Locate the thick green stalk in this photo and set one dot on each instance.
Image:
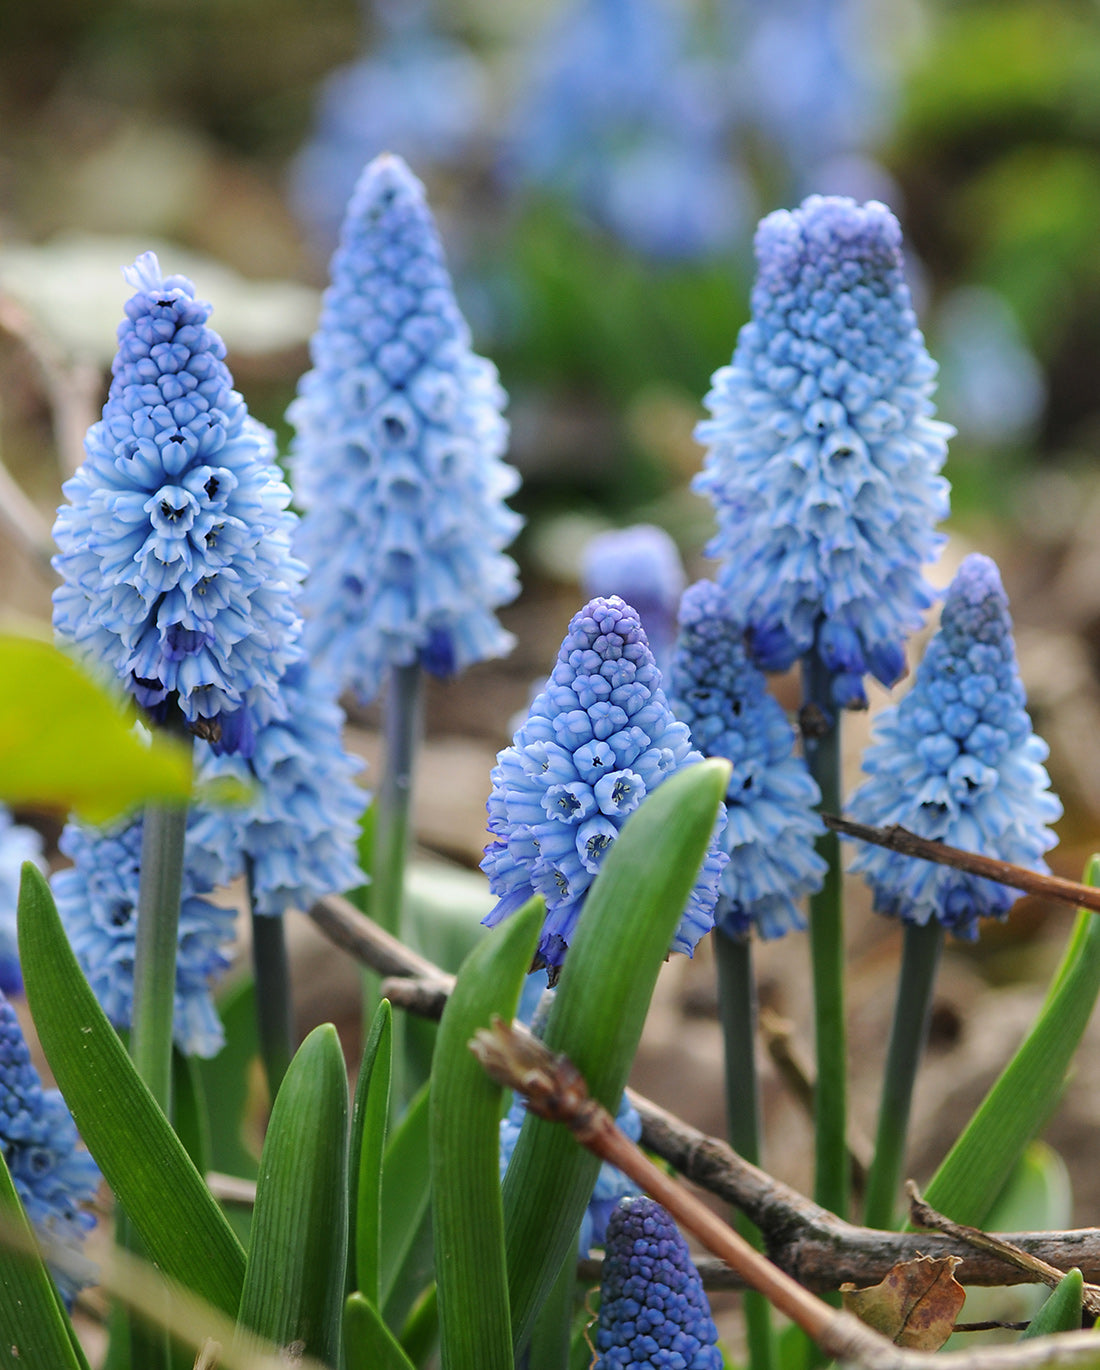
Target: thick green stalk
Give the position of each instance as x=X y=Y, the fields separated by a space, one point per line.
x=155 y=951
x=822 y=746
x=919 y=959
x=737 y=1009
x=274 y=1009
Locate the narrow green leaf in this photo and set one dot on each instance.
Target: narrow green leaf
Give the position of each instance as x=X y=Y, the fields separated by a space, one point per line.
x=1022 y=1098
x=66 y=743
x=228 y=1077
x=297 y=1259
x=1062 y=1310
x=420 y=1334
x=621 y=941
x=142 y=1159
x=192 y=1123
x=369 y=1117
x=467 y=1215
x=368 y=1342
x=406 y=1214
x=34 y=1327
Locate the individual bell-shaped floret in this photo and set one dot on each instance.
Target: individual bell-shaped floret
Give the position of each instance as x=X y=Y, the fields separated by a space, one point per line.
x=596 y=741
x=18 y=843
x=653 y=1309
x=957 y=761
x=715 y=689
x=823 y=453
x=175 y=543
x=397 y=459
x=97 y=900
x=53 y=1177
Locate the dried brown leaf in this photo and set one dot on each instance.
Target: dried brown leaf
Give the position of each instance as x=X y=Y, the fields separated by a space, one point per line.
x=915 y=1305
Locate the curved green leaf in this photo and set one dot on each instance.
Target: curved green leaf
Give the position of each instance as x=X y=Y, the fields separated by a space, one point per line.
x=406 y=1213
x=368 y=1342
x=66 y=743
x=621 y=941
x=1062 y=1310
x=297 y=1258
x=1022 y=1098
x=467 y=1216
x=369 y=1117
x=184 y=1231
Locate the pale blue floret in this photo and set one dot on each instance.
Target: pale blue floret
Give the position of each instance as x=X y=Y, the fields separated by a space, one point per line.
x=175 y=543
x=52 y=1176
x=299 y=832
x=397 y=459
x=653 y=1308
x=97 y=900
x=642 y=565
x=597 y=739
x=823 y=453
x=17 y=844
x=957 y=761
x=715 y=689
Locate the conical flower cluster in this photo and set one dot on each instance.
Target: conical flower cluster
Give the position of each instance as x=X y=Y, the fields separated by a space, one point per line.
x=957 y=761
x=397 y=460
x=53 y=1177
x=823 y=453
x=597 y=739
x=175 y=543
x=715 y=689
x=653 y=1310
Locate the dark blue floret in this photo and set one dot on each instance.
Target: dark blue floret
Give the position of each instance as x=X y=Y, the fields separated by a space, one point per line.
x=597 y=739
x=823 y=453
x=717 y=690
x=957 y=761
x=653 y=1310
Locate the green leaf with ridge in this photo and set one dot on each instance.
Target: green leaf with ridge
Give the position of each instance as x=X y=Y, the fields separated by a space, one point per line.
x=369 y=1119
x=368 y=1342
x=406 y=1214
x=184 y=1231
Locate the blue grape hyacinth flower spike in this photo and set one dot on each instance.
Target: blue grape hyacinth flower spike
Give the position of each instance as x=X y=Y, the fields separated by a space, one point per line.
x=956 y=761
x=642 y=565
x=653 y=1309
x=175 y=544
x=596 y=741
x=398 y=456
x=823 y=456
x=717 y=690
x=54 y=1178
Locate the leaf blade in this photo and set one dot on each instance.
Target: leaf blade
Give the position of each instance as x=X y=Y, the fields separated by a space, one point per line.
x=369 y=1119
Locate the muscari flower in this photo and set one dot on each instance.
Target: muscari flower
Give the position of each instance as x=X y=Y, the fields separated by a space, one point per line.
x=17 y=844
x=653 y=1310
x=823 y=454
x=97 y=900
x=397 y=458
x=597 y=739
x=175 y=543
x=299 y=833
x=641 y=564
x=39 y=1142
x=957 y=761
x=717 y=690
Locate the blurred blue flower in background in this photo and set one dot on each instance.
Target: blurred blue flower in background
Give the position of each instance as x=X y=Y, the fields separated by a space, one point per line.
x=398 y=456
x=596 y=741
x=823 y=456
x=175 y=544
x=18 y=843
x=53 y=1177
x=641 y=564
x=715 y=689
x=957 y=761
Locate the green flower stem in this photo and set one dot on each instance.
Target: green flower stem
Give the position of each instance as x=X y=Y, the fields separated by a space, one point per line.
x=158 y=916
x=274 y=1009
x=549 y=1348
x=919 y=959
x=737 y=1009
x=822 y=746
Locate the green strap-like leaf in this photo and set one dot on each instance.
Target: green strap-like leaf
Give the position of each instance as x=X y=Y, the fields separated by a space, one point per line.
x=467 y=1216
x=368 y=1342
x=621 y=941
x=297 y=1258
x=1062 y=1310
x=184 y=1231
x=406 y=1214
x=369 y=1117
x=34 y=1327
x=1022 y=1098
